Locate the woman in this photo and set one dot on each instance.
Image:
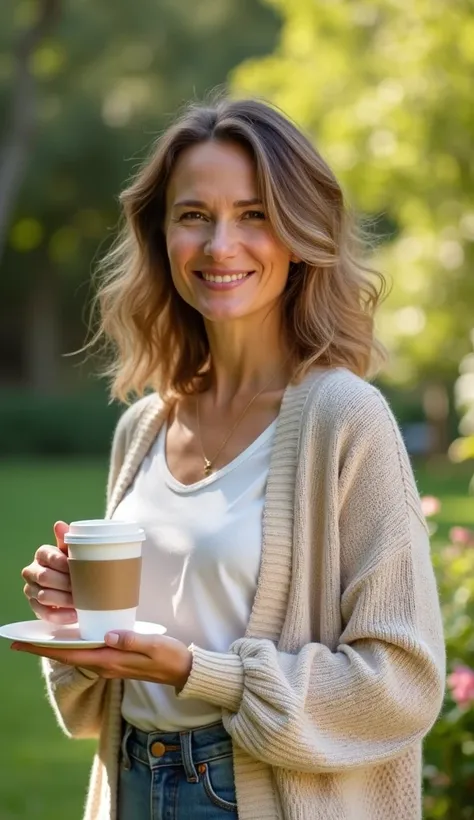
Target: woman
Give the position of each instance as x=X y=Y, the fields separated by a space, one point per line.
x=287 y=553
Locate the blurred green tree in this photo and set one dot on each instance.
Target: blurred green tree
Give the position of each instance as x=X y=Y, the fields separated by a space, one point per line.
x=107 y=82
x=462 y=448
x=384 y=88
x=20 y=125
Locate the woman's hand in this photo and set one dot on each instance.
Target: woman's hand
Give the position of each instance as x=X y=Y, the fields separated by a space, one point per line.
x=48 y=583
x=153 y=658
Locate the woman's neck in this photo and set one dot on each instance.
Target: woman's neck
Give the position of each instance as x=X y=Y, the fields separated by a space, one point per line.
x=245 y=361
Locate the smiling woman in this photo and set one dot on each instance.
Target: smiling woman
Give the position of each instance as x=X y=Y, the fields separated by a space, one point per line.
x=225 y=247
x=286 y=550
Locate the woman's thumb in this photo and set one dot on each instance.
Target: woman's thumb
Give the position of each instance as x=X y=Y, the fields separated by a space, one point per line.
x=60 y=530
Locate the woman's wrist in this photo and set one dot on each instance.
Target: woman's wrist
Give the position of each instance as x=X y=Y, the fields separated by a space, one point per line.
x=185 y=669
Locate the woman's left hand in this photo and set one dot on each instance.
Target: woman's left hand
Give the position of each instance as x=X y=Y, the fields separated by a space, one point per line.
x=153 y=658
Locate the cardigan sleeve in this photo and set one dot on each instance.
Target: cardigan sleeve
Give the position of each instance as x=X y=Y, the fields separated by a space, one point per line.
x=76 y=696
x=381 y=688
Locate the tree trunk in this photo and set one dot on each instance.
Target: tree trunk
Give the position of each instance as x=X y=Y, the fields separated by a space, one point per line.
x=42 y=334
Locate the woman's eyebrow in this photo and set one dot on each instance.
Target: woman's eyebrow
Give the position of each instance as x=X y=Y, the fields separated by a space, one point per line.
x=244 y=203
x=197 y=203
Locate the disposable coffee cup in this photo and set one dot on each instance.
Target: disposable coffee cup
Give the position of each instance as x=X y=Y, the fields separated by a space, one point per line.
x=105 y=565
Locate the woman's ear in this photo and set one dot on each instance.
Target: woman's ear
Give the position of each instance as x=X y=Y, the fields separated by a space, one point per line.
x=295 y=259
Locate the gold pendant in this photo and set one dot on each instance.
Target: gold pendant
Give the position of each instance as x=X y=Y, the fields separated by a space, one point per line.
x=207 y=467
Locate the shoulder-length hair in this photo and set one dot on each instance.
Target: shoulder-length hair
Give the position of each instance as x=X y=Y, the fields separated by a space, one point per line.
x=158 y=341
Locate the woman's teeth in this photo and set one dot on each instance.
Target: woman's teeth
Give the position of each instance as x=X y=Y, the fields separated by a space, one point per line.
x=226 y=278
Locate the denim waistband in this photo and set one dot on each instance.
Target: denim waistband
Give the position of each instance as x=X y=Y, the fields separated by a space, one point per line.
x=187 y=748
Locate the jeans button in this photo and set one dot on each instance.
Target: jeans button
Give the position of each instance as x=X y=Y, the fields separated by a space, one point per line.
x=157 y=749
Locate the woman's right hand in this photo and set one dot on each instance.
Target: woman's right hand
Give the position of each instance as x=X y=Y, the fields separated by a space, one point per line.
x=48 y=583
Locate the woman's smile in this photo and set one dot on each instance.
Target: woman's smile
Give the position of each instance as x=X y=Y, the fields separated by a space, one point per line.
x=222 y=278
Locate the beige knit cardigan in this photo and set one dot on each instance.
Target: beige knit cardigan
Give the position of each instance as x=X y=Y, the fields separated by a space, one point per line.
x=341 y=670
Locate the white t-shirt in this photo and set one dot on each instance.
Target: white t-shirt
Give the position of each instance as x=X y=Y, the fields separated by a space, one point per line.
x=201 y=560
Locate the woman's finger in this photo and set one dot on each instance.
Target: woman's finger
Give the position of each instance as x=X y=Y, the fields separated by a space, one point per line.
x=52 y=557
x=94 y=659
x=46 y=578
x=31 y=591
x=52 y=615
x=52 y=597
x=48 y=597
x=60 y=529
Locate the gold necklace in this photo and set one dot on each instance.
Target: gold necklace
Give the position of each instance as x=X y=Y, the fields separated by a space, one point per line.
x=208 y=463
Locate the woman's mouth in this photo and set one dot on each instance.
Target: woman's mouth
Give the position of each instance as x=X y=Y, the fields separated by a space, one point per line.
x=223 y=280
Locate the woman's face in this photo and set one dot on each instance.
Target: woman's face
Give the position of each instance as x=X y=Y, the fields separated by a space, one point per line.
x=225 y=259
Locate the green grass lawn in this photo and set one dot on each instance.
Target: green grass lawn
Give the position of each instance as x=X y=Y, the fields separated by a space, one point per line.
x=43 y=774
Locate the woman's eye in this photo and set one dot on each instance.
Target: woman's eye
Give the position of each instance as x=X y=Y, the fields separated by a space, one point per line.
x=192 y=215
x=254 y=215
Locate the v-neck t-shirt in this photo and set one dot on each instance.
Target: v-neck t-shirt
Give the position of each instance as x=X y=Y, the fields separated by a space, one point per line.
x=200 y=565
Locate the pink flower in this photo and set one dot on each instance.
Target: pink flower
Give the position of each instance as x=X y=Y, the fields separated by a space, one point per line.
x=451 y=552
x=461 y=535
x=461 y=683
x=430 y=505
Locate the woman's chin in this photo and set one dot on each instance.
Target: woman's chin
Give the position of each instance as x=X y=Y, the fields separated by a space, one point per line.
x=219 y=315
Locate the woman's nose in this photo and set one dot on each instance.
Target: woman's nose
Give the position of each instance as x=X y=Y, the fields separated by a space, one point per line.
x=221 y=242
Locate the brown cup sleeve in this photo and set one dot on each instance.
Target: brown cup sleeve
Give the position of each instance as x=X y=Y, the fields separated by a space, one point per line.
x=105 y=585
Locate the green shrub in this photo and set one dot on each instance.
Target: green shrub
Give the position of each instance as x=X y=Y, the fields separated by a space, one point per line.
x=76 y=423
x=449 y=748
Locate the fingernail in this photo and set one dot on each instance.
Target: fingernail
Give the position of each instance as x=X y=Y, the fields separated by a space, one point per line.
x=112 y=638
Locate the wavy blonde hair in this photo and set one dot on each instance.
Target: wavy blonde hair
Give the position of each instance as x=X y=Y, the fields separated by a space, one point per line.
x=158 y=341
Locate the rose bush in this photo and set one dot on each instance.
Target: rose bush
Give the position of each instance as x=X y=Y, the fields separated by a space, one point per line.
x=449 y=748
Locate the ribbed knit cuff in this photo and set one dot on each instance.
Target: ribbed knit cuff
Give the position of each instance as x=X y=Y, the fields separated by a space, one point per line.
x=216 y=677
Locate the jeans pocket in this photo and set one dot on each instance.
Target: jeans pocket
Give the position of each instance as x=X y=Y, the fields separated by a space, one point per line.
x=217 y=777
x=125 y=762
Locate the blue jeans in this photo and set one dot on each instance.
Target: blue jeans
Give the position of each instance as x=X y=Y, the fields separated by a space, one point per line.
x=177 y=775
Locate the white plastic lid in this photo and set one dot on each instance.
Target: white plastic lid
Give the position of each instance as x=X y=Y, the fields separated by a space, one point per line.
x=101 y=531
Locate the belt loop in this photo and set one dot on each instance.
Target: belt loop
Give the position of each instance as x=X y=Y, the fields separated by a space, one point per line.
x=187 y=754
x=126 y=732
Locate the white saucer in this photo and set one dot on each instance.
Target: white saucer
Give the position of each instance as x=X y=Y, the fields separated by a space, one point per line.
x=42 y=633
